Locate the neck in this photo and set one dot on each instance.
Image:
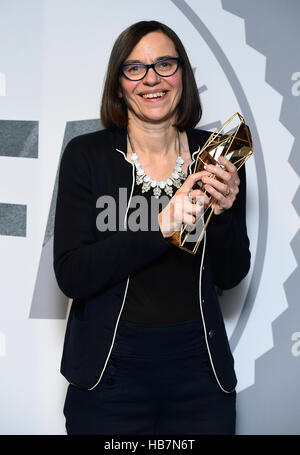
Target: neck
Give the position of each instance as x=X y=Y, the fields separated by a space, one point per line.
x=150 y=138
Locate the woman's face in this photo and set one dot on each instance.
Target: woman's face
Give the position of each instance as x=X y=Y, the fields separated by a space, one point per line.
x=152 y=47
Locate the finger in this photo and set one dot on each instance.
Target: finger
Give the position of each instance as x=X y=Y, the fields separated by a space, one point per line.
x=196 y=195
x=218 y=172
x=187 y=206
x=207 y=200
x=199 y=184
x=224 y=202
x=199 y=197
x=196 y=210
x=228 y=164
x=190 y=223
x=191 y=180
x=231 y=168
x=220 y=186
x=190 y=220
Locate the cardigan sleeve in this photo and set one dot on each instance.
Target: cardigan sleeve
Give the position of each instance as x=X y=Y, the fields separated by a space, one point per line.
x=83 y=263
x=228 y=242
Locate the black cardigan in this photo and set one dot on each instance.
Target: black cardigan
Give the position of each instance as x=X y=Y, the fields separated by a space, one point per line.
x=93 y=267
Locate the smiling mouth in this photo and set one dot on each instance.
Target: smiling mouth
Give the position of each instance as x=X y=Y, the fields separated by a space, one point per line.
x=153 y=95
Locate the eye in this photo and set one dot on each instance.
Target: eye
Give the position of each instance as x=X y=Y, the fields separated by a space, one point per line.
x=166 y=67
x=164 y=64
x=134 y=69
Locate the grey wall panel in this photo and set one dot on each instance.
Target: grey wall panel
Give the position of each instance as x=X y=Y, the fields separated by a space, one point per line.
x=13 y=219
x=48 y=302
x=19 y=138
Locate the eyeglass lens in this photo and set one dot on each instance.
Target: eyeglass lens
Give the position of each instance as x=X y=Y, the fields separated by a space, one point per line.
x=136 y=71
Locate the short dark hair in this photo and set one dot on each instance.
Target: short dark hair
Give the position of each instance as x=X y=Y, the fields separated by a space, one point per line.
x=113 y=108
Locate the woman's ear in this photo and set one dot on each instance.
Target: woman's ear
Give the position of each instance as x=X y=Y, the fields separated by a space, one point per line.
x=120 y=93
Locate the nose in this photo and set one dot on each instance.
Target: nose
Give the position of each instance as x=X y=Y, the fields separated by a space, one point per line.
x=151 y=77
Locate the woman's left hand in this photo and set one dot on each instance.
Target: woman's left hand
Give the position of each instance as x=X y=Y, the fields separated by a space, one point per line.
x=226 y=190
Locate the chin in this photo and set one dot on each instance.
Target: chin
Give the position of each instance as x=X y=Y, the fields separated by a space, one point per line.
x=158 y=118
x=154 y=116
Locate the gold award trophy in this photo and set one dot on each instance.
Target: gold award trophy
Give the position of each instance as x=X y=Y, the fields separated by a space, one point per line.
x=233 y=140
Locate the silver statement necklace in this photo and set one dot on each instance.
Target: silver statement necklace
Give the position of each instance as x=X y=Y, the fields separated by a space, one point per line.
x=163 y=185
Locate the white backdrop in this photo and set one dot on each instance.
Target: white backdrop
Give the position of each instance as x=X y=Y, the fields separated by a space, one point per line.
x=53 y=58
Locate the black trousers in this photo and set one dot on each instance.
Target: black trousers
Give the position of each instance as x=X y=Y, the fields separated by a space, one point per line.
x=158 y=381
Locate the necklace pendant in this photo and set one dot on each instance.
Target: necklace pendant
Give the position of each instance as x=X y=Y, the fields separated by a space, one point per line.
x=157 y=192
x=139 y=179
x=177 y=183
x=145 y=187
x=169 y=190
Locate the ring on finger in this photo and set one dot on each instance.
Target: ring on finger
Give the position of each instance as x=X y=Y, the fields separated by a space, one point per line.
x=227 y=192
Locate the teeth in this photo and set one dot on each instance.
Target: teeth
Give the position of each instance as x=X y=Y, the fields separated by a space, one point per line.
x=153 y=95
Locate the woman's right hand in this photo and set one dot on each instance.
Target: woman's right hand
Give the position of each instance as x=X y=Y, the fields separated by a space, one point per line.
x=184 y=207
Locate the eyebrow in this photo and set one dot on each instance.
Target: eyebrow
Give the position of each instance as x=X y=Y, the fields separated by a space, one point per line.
x=156 y=60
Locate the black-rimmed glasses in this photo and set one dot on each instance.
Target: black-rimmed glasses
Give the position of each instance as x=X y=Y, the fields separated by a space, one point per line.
x=136 y=71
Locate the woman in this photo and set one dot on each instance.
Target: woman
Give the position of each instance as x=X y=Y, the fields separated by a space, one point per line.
x=146 y=350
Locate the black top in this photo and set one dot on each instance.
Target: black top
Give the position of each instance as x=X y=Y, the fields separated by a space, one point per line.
x=167 y=289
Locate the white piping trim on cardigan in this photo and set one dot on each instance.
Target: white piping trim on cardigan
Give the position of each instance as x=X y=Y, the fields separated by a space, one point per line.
x=125 y=293
x=200 y=297
x=193 y=160
x=204 y=326
x=113 y=340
